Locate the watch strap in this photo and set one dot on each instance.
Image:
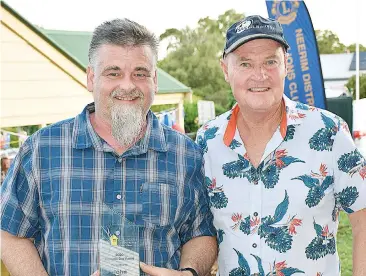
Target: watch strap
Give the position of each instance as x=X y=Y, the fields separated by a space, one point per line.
x=190 y=269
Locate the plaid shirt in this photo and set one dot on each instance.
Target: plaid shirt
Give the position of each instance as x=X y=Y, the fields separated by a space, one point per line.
x=65 y=172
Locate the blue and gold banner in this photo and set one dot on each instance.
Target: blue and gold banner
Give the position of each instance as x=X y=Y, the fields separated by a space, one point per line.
x=304 y=82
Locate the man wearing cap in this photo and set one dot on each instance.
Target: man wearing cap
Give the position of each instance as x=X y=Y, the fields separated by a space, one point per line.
x=284 y=171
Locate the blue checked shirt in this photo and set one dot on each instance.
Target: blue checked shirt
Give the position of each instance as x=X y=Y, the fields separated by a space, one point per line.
x=65 y=172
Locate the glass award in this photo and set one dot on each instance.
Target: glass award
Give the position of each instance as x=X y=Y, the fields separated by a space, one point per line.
x=118 y=245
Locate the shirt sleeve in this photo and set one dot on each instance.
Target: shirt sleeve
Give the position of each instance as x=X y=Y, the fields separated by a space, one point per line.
x=19 y=197
x=200 y=222
x=350 y=173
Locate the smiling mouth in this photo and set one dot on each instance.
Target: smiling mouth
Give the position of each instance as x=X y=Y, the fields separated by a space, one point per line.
x=127 y=98
x=258 y=89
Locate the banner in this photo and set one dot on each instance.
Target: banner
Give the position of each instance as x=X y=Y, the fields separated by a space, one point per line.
x=304 y=82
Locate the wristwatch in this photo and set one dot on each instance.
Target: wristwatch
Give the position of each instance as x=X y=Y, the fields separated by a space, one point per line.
x=194 y=272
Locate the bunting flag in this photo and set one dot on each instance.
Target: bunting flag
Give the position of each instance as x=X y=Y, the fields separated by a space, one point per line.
x=169 y=118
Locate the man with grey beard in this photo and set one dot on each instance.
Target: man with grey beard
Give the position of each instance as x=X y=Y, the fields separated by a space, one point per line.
x=114 y=156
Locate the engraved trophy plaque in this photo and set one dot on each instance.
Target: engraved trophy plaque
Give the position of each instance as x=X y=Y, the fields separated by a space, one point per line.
x=118 y=245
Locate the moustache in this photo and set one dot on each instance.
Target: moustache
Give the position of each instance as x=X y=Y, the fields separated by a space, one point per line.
x=134 y=93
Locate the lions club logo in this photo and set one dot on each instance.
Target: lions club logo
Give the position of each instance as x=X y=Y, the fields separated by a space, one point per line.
x=243 y=26
x=285 y=11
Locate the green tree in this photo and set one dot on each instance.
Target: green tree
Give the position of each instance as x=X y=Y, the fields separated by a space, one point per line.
x=194 y=57
x=329 y=43
x=351 y=85
x=190 y=117
x=352 y=48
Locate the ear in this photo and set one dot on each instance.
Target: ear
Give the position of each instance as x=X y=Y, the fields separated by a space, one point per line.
x=285 y=62
x=223 y=63
x=155 y=79
x=90 y=78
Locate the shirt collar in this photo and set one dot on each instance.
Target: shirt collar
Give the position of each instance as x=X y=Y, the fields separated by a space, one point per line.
x=84 y=135
x=291 y=116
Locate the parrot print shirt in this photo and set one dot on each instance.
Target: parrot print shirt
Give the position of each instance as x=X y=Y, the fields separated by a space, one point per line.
x=281 y=218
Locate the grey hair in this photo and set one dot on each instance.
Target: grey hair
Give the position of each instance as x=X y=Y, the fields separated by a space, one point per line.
x=122 y=32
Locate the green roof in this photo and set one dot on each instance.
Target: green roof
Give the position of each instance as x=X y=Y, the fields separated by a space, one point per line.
x=74 y=46
x=77 y=45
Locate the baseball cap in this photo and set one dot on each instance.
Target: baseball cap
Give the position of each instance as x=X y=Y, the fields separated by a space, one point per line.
x=253 y=27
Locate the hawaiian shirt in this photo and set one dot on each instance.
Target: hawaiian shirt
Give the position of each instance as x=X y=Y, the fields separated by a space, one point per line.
x=66 y=178
x=281 y=218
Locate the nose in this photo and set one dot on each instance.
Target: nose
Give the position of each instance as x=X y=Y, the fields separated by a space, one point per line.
x=259 y=73
x=126 y=83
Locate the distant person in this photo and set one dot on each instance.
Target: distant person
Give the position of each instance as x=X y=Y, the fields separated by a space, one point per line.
x=5 y=165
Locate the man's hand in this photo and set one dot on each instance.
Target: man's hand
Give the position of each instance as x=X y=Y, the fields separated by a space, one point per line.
x=158 y=271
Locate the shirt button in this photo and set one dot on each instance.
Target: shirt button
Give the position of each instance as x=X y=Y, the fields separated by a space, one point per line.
x=119 y=196
x=254 y=245
x=255 y=214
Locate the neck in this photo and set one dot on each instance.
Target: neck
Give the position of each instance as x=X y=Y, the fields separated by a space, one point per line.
x=100 y=125
x=254 y=122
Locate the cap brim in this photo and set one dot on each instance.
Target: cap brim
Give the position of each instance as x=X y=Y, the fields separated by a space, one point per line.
x=246 y=39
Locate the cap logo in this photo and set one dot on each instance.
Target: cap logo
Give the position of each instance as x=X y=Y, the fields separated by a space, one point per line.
x=243 y=26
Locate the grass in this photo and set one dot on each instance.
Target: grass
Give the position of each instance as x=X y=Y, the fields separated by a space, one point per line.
x=344 y=244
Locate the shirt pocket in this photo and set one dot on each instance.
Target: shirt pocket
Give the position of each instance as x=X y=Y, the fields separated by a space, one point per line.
x=159 y=203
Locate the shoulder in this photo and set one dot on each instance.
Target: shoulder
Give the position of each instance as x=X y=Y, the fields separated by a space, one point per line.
x=45 y=135
x=318 y=118
x=55 y=128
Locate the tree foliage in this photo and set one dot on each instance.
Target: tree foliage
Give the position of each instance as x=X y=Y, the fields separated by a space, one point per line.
x=329 y=43
x=352 y=48
x=351 y=85
x=191 y=117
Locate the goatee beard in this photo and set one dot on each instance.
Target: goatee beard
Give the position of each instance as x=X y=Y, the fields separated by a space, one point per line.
x=127 y=123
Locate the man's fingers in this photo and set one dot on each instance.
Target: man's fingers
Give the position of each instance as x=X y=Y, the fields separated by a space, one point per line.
x=156 y=271
x=149 y=269
x=96 y=273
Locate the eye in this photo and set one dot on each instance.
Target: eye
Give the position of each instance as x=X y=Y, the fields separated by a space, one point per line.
x=271 y=62
x=141 y=75
x=245 y=64
x=113 y=74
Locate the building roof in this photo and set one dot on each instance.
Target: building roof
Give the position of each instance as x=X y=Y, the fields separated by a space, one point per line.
x=362 y=62
x=74 y=45
x=336 y=66
x=341 y=66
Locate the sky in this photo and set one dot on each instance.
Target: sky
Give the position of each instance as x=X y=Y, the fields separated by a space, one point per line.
x=342 y=17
